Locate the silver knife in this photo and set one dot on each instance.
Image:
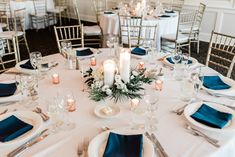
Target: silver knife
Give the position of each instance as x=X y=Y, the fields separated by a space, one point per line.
x=159 y=145
x=17 y=151
x=27 y=143
x=157 y=150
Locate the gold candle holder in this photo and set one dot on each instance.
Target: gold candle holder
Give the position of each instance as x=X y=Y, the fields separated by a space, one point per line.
x=134 y=103
x=93 y=61
x=71 y=106
x=141 y=65
x=158 y=85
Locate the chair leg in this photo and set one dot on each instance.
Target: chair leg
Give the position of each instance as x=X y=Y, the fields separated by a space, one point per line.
x=60 y=19
x=198 y=46
x=26 y=44
x=17 y=47
x=15 y=50
x=189 y=49
x=3 y=66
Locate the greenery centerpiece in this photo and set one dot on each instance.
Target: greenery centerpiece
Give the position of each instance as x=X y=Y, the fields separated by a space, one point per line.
x=119 y=90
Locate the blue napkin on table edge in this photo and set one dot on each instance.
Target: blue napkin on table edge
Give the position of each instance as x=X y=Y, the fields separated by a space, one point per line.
x=214 y=83
x=138 y=51
x=12 y=127
x=164 y=16
x=108 y=12
x=211 y=117
x=7 y=89
x=171 y=61
x=169 y=11
x=124 y=145
x=27 y=65
x=84 y=52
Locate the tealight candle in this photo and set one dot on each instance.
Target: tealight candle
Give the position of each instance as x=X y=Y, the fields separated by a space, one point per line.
x=93 y=61
x=158 y=85
x=55 y=79
x=141 y=65
x=71 y=106
x=134 y=103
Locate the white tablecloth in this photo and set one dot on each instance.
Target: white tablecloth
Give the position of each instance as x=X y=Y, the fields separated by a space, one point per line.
x=110 y=25
x=28 y=5
x=175 y=139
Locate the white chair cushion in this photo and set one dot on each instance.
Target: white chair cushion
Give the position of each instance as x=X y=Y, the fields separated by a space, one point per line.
x=55 y=10
x=3 y=25
x=172 y=37
x=10 y=34
x=92 y=30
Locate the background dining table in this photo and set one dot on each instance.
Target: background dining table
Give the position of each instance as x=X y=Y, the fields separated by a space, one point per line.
x=171 y=130
x=165 y=25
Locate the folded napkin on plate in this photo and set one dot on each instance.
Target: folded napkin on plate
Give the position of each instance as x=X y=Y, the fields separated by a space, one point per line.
x=7 y=89
x=108 y=12
x=164 y=16
x=211 y=117
x=124 y=145
x=12 y=127
x=214 y=83
x=169 y=11
x=27 y=65
x=84 y=52
x=172 y=62
x=139 y=51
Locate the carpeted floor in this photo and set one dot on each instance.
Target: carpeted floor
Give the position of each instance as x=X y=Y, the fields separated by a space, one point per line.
x=45 y=42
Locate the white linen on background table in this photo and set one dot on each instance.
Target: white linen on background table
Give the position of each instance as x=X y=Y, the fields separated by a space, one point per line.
x=110 y=25
x=28 y=5
x=171 y=132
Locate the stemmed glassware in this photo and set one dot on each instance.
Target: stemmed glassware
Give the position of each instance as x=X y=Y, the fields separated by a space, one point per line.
x=151 y=98
x=35 y=60
x=176 y=56
x=111 y=41
x=197 y=77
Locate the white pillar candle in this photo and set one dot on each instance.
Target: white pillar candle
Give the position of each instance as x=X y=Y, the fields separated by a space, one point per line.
x=125 y=63
x=109 y=70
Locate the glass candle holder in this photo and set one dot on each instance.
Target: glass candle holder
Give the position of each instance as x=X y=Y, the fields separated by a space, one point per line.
x=134 y=103
x=158 y=85
x=55 y=78
x=93 y=61
x=71 y=104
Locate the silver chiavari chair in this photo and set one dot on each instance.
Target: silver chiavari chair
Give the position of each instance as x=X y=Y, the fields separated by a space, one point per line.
x=175 y=5
x=63 y=5
x=69 y=33
x=40 y=15
x=2 y=52
x=127 y=22
x=93 y=34
x=5 y=14
x=147 y=37
x=170 y=42
x=221 y=52
x=99 y=7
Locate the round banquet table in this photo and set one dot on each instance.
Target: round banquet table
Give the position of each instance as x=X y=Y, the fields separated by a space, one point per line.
x=110 y=25
x=171 y=132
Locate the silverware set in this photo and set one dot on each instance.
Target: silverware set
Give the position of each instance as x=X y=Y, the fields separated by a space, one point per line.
x=196 y=132
x=41 y=113
x=157 y=144
x=82 y=148
x=180 y=110
x=34 y=140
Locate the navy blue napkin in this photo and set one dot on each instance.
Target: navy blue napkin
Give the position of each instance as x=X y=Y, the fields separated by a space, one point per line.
x=85 y=52
x=211 y=117
x=139 y=51
x=169 y=11
x=164 y=16
x=172 y=62
x=124 y=145
x=214 y=83
x=7 y=89
x=12 y=127
x=108 y=12
x=27 y=65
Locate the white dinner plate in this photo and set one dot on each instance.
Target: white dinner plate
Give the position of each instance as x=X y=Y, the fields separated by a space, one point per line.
x=95 y=51
x=226 y=92
x=29 y=117
x=15 y=97
x=165 y=61
x=192 y=108
x=97 y=145
x=28 y=71
x=100 y=113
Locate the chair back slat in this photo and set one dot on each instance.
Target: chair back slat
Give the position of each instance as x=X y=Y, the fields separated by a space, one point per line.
x=99 y=7
x=70 y=33
x=40 y=7
x=221 y=52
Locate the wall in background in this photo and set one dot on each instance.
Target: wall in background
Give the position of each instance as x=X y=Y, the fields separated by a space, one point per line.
x=219 y=15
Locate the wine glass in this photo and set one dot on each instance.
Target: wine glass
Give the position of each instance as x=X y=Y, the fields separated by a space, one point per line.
x=35 y=58
x=111 y=40
x=185 y=59
x=197 y=78
x=176 y=57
